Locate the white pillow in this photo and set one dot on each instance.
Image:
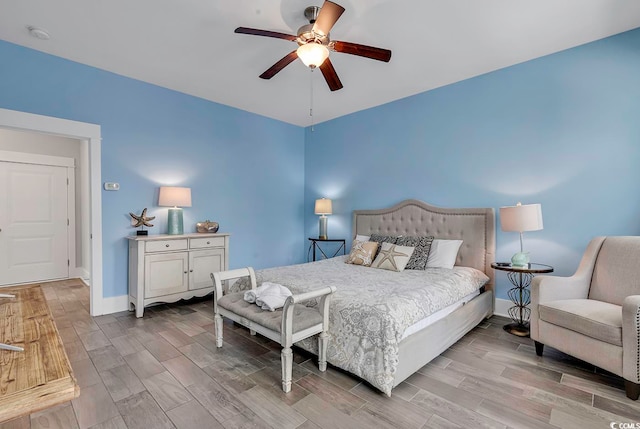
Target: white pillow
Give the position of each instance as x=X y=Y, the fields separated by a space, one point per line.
x=392 y=257
x=443 y=253
x=362 y=237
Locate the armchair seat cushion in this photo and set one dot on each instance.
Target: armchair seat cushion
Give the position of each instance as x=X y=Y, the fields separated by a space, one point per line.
x=595 y=319
x=303 y=317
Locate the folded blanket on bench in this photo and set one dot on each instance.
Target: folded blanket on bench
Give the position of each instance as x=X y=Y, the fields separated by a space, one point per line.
x=268 y=296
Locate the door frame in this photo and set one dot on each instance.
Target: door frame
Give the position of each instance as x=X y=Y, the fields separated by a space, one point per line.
x=90 y=135
x=69 y=165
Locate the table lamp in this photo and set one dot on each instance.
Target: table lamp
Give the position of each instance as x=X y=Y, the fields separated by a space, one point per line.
x=521 y=218
x=175 y=197
x=323 y=208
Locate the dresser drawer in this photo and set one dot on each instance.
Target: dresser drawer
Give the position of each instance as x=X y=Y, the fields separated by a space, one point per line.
x=166 y=245
x=204 y=242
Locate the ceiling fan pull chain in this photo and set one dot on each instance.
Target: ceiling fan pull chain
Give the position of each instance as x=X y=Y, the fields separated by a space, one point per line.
x=311 y=97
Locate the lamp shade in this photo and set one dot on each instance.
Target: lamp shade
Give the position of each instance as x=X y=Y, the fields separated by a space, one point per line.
x=520 y=218
x=323 y=207
x=173 y=196
x=312 y=54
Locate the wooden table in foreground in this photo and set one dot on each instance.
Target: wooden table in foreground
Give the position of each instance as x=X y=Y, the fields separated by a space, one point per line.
x=41 y=375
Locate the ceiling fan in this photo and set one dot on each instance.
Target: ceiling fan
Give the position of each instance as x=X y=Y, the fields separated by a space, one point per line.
x=314 y=44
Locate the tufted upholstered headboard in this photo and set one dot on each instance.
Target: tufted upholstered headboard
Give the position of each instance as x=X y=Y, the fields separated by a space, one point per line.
x=475 y=226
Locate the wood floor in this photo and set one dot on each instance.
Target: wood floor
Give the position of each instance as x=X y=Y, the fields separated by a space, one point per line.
x=164 y=371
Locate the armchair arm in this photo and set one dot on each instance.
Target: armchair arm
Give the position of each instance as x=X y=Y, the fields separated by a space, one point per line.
x=552 y=288
x=631 y=338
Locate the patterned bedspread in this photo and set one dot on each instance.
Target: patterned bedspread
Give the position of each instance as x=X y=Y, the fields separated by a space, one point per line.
x=372 y=308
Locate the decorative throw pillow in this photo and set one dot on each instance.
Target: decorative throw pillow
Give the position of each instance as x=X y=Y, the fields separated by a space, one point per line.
x=362 y=237
x=443 y=253
x=382 y=239
x=420 y=255
x=392 y=257
x=362 y=252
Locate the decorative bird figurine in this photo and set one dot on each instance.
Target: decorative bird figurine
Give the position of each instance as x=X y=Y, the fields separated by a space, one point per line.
x=141 y=221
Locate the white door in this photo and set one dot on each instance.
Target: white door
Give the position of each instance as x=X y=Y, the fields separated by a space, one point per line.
x=33 y=223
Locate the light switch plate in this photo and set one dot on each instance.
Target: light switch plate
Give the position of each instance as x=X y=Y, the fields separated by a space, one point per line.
x=111 y=186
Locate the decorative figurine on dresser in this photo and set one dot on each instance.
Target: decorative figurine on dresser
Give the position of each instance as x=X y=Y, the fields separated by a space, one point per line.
x=168 y=268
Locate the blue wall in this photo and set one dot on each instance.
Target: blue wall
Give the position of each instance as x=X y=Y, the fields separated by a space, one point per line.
x=562 y=130
x=245 y=171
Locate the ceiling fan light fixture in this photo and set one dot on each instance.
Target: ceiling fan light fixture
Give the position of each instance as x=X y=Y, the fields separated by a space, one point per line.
x=312 y=54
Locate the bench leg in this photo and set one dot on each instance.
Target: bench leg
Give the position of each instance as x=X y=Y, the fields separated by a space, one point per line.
x=218 y=320
x=286 y=358
x=322 y=351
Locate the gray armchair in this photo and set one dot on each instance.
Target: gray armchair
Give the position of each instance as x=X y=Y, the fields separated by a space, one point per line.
x=594 y=315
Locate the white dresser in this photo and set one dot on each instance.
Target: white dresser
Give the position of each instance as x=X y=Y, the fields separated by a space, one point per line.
x=167 y=268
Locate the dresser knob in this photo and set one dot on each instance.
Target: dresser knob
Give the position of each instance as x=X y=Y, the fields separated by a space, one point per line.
x=185 y=272
x=208 y=242
x=166 y=245
x=190 y=271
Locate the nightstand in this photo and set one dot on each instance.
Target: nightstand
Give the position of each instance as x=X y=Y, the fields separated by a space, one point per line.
x=520 y=278
x=316 y=244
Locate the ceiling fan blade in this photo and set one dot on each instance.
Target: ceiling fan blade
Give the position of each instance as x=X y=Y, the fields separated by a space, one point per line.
x=330 y=75
x=274 y=69
x=266 y=33
x=329 y=14
x=361 y=50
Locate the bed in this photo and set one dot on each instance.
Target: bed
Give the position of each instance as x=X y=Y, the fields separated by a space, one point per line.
x=373 y=310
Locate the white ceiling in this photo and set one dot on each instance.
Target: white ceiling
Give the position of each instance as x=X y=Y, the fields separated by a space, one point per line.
x=189 y=45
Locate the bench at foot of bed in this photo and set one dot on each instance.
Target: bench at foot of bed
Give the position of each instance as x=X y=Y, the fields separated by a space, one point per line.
x=295 y=322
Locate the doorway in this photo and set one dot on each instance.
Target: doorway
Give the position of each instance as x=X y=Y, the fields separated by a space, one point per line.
x=90 y=136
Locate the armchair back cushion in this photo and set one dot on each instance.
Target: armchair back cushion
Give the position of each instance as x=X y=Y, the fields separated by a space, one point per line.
x=615 y=275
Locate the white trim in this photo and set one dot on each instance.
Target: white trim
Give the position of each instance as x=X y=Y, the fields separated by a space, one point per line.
x=82 y=274
x=34 y=158
x=115 y=304
x=71 y=220
x=502 y=307
x=85 y=213
x=84 y=131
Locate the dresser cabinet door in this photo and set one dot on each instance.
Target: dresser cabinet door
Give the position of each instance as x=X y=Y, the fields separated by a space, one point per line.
x=165 y=274
x=201 y=264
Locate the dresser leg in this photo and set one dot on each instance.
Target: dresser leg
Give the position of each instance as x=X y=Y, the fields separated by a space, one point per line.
x=539 y=348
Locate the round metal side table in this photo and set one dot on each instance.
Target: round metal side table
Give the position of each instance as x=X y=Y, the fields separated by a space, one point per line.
x=520 y=278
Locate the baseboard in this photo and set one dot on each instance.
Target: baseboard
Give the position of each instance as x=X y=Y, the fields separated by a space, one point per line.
x=502 y=307
x=115 y=304
x=82 y=274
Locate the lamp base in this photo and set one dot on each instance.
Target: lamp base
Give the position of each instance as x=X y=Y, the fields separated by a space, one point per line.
x=520 y=259
x=175 y=224
x=322 y=228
